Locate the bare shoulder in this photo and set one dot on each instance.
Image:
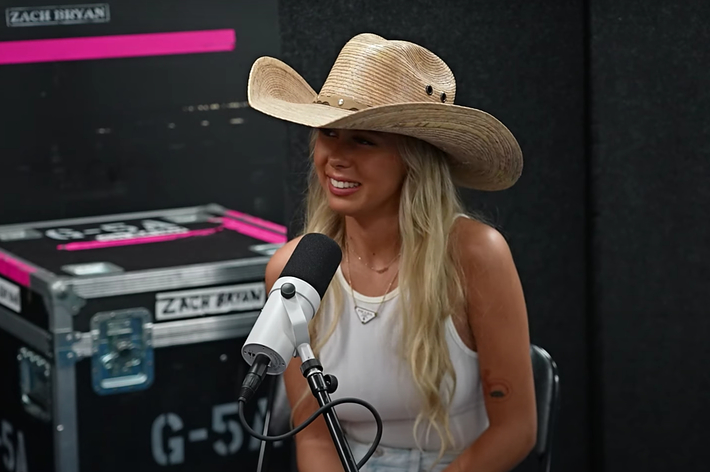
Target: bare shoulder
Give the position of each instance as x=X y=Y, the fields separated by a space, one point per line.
x=277 y=262
x=479 y=244
x=493 y=287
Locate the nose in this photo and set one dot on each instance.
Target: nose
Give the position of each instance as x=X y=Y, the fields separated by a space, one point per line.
x=339 y=154
x=339 y=163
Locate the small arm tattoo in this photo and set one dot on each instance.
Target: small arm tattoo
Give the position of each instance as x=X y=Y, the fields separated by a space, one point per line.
x=495 y=389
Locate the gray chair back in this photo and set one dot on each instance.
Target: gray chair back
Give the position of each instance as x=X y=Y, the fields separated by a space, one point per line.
x=547 y=393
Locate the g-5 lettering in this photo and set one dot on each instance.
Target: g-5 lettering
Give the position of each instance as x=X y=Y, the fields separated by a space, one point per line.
x=226 y=434
x=12 y=448
x=220 y=425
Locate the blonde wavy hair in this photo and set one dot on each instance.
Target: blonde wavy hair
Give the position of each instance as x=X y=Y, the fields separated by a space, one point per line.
x=429 y=275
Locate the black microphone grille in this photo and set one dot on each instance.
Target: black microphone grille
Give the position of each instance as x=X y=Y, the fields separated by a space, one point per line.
x=315 y=260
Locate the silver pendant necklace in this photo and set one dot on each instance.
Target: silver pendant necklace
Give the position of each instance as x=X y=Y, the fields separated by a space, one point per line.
x=365 y=315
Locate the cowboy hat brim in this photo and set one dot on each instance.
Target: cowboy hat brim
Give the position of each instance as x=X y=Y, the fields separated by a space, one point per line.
x=483 y=153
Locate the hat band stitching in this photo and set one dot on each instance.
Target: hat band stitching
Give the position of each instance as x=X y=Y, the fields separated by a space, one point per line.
x=341 y=102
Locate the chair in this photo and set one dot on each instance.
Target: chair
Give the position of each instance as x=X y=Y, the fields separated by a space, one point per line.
x=547 y=393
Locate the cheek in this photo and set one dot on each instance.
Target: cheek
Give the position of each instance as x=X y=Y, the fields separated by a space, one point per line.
x=318 y=156
x=319 y=161
x=393 y=171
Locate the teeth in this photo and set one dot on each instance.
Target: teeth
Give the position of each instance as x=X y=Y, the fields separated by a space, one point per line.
x=338 y=184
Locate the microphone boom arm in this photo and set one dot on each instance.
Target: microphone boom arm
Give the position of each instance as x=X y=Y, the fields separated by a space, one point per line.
x=299 y=322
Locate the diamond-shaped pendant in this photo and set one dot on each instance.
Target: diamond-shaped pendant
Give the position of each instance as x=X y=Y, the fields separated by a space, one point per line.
x=365 y=315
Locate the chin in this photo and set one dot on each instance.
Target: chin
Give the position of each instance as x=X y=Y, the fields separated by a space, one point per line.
x=343 y=208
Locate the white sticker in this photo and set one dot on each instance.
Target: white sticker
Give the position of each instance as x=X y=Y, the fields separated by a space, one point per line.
x=10 y=296
x=209 y=301
x=58 y=15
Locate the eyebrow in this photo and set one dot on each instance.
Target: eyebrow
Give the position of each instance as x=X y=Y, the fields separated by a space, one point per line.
x=368 y=134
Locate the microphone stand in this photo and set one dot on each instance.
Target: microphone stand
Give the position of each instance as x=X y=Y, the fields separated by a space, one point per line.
x=321 y=387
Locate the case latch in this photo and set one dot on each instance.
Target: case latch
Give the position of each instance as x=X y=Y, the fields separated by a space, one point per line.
x=122 y=351
x=35 y=383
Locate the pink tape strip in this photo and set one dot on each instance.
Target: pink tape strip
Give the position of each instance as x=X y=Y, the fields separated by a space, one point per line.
x=15 y=270
x=106 y=47
x=257 y=221
x=238 y=226
x=80 y=246
x=253 y=231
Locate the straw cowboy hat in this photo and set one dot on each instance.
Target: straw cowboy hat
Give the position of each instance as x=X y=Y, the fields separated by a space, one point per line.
x=394 y=87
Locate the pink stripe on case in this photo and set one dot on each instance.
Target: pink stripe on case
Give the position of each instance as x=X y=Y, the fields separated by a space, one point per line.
x=107 y=47
x=15 y=270
x=227 y=223
x=253 y=231
x=80 y=246
x=256 y=221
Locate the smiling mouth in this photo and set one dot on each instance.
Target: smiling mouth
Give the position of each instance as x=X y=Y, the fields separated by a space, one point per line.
x=342 y=184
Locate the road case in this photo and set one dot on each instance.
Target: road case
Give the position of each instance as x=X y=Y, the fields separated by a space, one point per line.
x=120 y=341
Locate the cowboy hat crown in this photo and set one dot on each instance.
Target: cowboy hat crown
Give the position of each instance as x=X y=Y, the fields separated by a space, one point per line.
x=371 y=71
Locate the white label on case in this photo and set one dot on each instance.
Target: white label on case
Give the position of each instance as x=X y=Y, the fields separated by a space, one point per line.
x=209 y=301
x=58 y=15
x=10 y=296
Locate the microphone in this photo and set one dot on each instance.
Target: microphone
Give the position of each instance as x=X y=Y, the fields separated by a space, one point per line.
x=282 y=325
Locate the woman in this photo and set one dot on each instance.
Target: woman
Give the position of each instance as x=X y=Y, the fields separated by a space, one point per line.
x=425 y=318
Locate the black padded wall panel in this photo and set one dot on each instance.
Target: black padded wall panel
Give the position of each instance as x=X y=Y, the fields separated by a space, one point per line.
x=521 y=61
x=651 y=168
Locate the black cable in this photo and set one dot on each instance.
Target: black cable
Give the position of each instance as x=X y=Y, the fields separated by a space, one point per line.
x=267 y=425
x=312 y=418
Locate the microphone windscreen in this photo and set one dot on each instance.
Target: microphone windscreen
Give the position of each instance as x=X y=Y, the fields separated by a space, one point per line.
x=315 y=260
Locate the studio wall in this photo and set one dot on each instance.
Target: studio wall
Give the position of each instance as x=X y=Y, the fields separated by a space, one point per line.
x=107 y=135
x=650 y=161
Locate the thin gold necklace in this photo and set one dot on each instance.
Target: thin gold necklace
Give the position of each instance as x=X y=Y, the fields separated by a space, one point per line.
x=364 y=314
x=379 y=271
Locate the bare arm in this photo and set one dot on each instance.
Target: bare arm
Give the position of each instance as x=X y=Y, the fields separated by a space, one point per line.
x=315 y=451
x=498 y=319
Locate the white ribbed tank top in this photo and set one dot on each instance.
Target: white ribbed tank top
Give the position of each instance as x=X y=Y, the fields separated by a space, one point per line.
x=363 y=358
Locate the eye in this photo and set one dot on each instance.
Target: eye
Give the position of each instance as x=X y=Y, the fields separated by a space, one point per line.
x=327 y=132
x=363 y=141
